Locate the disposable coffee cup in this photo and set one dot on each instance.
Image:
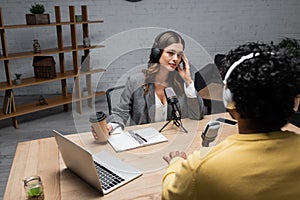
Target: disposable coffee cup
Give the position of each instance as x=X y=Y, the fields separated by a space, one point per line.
x=99 y=124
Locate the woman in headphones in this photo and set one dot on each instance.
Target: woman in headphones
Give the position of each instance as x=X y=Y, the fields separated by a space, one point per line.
x=143 y=99
x=262 y=83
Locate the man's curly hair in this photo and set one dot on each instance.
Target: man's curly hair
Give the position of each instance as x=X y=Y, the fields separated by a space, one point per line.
x=263 y=87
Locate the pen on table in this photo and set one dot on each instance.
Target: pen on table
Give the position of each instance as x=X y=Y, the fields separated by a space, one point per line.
x=141 y=137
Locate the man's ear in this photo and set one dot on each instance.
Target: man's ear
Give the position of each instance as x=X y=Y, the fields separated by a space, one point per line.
x=234 y=114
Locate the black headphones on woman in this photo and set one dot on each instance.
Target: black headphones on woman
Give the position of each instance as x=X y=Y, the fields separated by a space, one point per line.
x=156 y=51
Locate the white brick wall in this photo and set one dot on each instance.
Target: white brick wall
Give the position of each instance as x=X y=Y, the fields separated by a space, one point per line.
x=216 y=25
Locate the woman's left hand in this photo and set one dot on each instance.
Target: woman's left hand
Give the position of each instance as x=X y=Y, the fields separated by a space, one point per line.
x=185 y=72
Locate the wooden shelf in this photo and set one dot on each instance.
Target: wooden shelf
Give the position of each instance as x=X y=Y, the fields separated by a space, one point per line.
x=44 y=52
x=33 y=107
x=52 y=102
x=92 y=71
x=65 y=98
x=99 y=93
x=45 y=25
x=36 y=81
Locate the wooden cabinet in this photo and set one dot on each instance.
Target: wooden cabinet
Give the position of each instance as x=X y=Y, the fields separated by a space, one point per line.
x=65 y=72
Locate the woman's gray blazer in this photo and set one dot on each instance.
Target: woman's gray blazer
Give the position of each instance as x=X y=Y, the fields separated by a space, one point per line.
x=140 y=109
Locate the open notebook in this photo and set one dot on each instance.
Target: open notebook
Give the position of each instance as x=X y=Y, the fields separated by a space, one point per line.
x=128 y=140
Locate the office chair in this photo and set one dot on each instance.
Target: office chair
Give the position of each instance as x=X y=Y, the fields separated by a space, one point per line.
x=218 y=60
x=208 y=74
x=113 y=96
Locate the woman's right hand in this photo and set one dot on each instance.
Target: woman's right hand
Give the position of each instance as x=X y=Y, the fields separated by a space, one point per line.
x=185 y=72
x=109 y=127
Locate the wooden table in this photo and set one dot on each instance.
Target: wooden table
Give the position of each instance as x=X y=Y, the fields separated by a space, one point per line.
x=42 y=157
x=212 y=96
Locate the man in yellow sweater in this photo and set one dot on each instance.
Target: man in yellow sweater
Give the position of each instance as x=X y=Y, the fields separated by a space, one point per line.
x=261 y=86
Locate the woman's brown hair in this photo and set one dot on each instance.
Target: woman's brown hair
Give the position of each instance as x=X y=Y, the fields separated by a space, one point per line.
x=162 y=41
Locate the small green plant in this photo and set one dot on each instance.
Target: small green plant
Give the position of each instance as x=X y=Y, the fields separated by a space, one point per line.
x=34 y=191
x=37 y=9
x=18 y=76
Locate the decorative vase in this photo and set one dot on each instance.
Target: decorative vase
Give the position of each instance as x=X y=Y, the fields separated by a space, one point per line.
x=86 y=42
x=18 y=81
x=78 y=18
x=36 y=46
x=85 y=92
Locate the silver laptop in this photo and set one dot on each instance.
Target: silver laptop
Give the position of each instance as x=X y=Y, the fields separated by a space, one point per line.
x=102 y=170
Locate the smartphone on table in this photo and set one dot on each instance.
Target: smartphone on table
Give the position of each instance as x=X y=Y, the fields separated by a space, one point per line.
x=226 y=121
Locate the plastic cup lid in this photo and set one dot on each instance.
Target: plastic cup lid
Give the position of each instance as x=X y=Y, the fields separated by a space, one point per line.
x=97 y=117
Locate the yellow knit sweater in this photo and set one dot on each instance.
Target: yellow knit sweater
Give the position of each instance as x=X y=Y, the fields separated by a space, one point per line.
x=242 y=167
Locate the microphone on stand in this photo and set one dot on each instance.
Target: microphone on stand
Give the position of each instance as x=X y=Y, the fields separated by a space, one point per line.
x=210 y=132
x=176 y=112
x=173 y=101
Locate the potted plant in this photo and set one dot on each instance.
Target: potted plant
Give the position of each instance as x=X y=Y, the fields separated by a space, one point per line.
x=37 y=15
x=18 y=80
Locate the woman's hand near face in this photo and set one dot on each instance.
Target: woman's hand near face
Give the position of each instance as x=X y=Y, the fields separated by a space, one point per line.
x=185 y=73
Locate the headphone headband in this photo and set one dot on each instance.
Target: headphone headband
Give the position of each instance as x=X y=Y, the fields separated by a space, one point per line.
x=237 y=63
x=158 y=37
x=227 y=94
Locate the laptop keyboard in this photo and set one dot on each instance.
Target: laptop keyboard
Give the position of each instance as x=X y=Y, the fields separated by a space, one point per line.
x=108 y=178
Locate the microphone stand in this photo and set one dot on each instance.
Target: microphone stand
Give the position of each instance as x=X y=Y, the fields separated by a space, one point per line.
x=176 y=120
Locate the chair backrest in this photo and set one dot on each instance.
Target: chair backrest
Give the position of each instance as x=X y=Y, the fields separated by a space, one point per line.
x=113 y=96
x=208 y=74
x=218 y=60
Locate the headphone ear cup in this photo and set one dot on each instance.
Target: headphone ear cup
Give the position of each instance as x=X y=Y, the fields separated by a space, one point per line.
x=228 y=98
x=156 y=53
